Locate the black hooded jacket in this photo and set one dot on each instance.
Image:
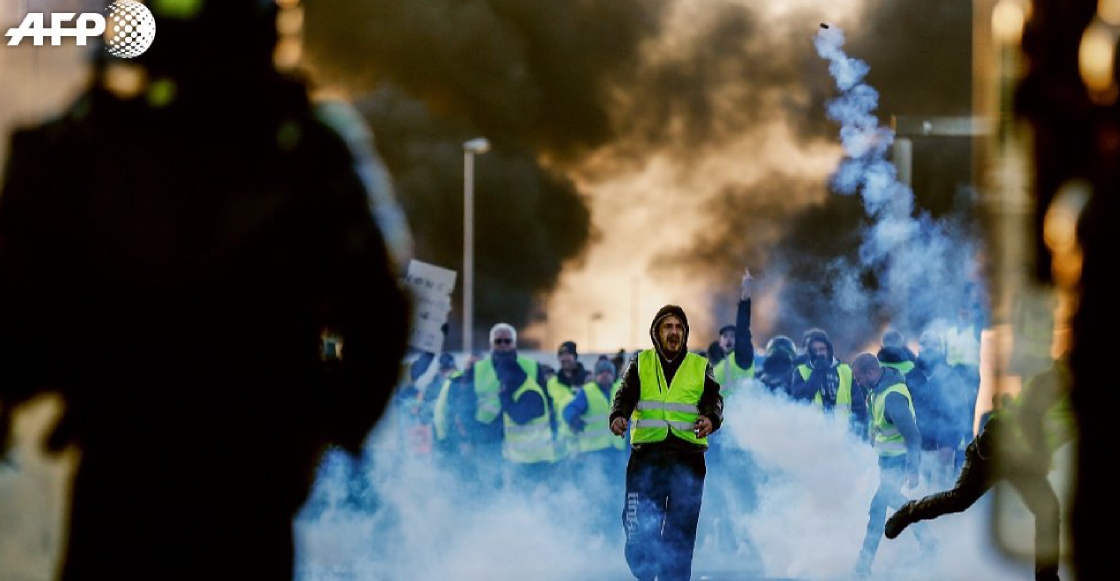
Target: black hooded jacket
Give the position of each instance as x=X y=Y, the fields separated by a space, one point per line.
x=710 y=404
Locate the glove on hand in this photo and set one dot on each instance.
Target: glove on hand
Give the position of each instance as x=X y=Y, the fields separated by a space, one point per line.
x=820 y=363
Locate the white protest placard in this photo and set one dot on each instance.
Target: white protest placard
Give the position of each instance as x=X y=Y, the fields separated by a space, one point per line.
x=431 y=288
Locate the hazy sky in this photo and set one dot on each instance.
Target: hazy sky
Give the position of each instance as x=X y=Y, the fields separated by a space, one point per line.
x=647 y=151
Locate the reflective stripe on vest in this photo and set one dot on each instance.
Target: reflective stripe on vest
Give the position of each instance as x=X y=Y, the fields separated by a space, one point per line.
x=885 y=437
x=663 y=407
x=532 y=441
x=730 y=376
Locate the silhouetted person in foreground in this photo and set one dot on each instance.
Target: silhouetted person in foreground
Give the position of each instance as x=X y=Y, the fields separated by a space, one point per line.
x=1016 y=445
x=192 y=264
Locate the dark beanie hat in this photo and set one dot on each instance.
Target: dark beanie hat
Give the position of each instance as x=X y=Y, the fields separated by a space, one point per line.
x=726 y=328
x=568 y=347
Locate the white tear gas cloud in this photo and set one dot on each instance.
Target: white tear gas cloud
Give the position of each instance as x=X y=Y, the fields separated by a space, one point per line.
x=802 y=508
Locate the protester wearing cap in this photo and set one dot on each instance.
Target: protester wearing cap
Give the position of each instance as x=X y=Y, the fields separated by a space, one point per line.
x=727 y=338
x=588 y=411
x=571 y=373
x=737 y=364
x=733 y=481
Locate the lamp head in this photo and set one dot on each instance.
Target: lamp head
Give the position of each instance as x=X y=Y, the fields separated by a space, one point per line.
x=477 y=145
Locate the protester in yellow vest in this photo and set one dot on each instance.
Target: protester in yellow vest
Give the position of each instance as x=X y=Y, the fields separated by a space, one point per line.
x=776 y=373
x=895 y=438
x=587 y=413
x=738 y=364
x=732 y=486
x=827 y=382
x=1016 y=444
x=599 y=465
x=894 y=352
x=561 y=388
x=670 y=402
x=513 y=424
x=440 y=416
x=528 y=418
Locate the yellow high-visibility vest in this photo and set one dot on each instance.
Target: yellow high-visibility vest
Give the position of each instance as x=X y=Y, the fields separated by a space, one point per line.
x=530 y=442
x=596 y=434
x=730 y=376
x=843 y=392
x=663 y=406
x=885 y=437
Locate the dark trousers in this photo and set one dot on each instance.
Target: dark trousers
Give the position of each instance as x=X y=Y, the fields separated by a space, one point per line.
x=664 y=488
x=978 y=475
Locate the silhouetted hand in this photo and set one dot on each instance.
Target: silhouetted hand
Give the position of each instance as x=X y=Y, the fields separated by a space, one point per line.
x=619 y=425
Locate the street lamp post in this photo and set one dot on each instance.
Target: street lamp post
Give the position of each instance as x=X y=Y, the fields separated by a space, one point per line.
x=471 y=148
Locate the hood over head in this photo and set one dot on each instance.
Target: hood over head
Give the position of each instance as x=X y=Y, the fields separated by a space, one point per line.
x=660 y=316
x=818 y=335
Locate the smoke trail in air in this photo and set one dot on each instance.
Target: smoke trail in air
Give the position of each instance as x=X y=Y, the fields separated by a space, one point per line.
x=923 y=268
